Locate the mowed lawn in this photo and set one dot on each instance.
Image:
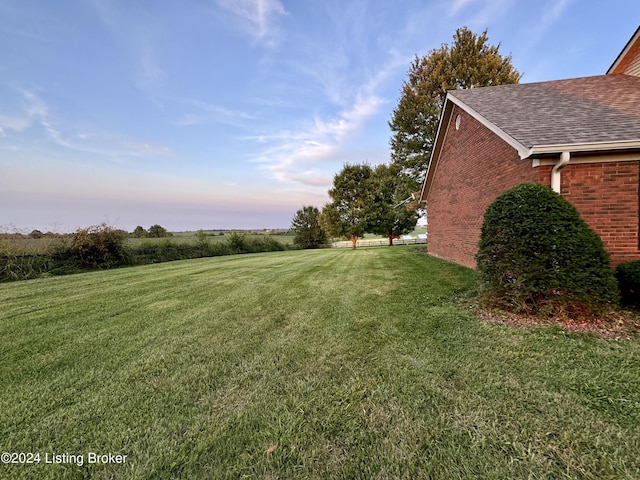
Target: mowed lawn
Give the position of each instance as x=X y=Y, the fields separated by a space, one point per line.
x=320 y=364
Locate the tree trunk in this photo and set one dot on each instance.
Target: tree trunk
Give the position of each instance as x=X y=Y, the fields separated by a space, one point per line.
x=354 y=240
x=391 y=240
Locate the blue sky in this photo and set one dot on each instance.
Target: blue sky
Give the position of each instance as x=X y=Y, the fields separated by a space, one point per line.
x=236 y=113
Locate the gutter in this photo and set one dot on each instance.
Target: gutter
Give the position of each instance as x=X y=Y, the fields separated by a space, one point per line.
x=565 y=157
x=621 y=145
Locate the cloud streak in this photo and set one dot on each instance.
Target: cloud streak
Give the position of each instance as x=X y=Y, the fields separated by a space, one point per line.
x=138 y=35
x=203 y=112
x=308 y=156
x=36 y=112
x=255 y=18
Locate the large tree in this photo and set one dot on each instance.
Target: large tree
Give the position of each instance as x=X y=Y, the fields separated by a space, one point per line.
x=307 y=228
x=393 y=209
x=468 y=63
x=347 y=215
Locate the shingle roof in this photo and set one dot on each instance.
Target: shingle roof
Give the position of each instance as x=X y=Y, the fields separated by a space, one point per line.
x=586 y=110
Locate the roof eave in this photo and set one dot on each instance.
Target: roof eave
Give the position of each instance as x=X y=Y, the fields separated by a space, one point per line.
x=614 y=66
x=443 y=126
x=584 y=147
x=445 y=117
x=523 y=150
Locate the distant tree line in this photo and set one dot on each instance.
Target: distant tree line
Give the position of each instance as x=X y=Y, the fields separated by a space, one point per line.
x=155 y=231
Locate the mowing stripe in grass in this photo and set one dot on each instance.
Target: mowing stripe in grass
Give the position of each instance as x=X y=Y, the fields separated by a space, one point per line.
x=305 y=364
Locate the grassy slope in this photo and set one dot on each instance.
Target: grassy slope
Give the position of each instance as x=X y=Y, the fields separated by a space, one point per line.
x=304 y=364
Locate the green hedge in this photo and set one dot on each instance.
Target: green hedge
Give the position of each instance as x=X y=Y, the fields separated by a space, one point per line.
x=537 y=255
x=628 y=275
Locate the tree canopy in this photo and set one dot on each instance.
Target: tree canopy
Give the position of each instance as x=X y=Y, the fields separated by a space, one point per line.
x=392 y=210
x=373 y=200
x=468 y=63
x=139 y=232
x=348 y=213
x=158 y=231
x=307 y=228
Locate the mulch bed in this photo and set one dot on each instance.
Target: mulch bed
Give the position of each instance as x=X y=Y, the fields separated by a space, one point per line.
x=621 y=324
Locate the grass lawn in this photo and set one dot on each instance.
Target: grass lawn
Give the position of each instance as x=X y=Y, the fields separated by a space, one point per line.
x=304 y=364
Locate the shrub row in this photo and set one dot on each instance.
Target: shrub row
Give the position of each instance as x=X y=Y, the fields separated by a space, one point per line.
x=102 y=247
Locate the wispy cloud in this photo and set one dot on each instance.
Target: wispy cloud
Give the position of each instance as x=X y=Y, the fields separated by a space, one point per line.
x=256 y=18
x=201 y=112
x=150 y=76
x=348 y=79
x=138 y=34
x=479 y=13
x=554 y=12
x=302 y=156
x=457 y=5
x=146 y=148
x=9 y=122
x=36 y=112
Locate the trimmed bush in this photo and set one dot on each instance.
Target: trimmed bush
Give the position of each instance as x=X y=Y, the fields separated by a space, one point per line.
x=537 y=255
x=628 y=275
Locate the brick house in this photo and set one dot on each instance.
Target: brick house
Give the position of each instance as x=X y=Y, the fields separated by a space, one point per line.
x=580 y=136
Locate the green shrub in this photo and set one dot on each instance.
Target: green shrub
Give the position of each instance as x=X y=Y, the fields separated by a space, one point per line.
x=537 y=255
x=238 y=243
x=165 y=252
x=265 y=244
x=99 y=246
x=628 y=275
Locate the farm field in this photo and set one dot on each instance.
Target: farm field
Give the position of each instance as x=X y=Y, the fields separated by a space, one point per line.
x=191 y=238
x=24 y=245
x=366 y=363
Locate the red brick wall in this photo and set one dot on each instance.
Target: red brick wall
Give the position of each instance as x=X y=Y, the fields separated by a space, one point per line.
x=606 y=195
x=475 y=166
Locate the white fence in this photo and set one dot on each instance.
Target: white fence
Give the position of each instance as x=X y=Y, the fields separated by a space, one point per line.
x=382 y=242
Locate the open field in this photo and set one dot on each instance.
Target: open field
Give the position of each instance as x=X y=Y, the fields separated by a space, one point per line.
x=24 y=245
x=191 y=238
x=363 y=363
